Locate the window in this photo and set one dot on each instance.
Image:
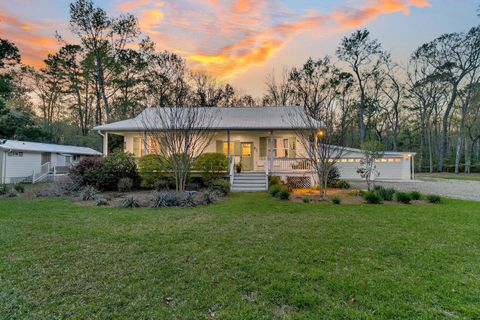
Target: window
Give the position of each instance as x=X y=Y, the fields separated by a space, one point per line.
x=15 y=154
x=285 y=148
x=138 y=150
x=246 y=150
x=225 y=148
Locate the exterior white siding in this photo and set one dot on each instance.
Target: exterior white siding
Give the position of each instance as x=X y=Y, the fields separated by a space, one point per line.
x=18 y=167
x=394 y=166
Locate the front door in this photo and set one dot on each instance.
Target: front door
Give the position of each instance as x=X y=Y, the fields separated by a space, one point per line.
x=46 y=157
x=247 y=156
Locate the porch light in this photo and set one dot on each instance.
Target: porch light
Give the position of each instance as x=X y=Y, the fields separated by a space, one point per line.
x=321 y=133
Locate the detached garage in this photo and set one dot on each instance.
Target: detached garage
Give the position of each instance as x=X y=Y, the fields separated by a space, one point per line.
x=22 y=161
x=393 y=165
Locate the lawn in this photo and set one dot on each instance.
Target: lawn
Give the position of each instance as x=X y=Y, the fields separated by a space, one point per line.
x=452 y=176
x=248 y=257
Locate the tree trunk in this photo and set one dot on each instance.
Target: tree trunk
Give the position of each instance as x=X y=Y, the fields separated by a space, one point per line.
x=444 y=135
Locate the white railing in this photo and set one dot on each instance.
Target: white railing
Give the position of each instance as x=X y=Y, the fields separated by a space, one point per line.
x=290 y=165
x=41 y=173
x=232 y=169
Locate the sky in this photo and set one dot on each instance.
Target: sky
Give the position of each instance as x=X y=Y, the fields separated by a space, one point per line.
x=243 y=41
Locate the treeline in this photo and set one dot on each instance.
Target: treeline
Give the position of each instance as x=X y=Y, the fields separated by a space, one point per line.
x=431 y=105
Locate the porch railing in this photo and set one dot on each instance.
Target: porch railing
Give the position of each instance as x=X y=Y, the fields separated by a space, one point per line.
x=289 y=165
x=41 y=173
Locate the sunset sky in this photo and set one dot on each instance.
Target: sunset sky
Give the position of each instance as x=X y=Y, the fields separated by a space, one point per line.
x=241 y=41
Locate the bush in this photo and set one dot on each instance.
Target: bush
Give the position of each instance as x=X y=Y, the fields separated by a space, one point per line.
x=387 y=194
x=340 y=184
x=4 y=189
x=220 y=185
x=333 y=175
x=403 y=197
x=20 y=188
x=100 y=202
x=88 y=193
x=372 y=197
x=161 y=185
x=274 y=190
x=336 y=200
x=125 y=185
x=77 y=172
x=164 y=199
x=209 y=197
x=107 y=172
x=274 y=180
x=306 y=200
x=415 y=195
x=130 y=202
x=433 y=198
x=211 y=166
x=283 y=194
x=152 y=168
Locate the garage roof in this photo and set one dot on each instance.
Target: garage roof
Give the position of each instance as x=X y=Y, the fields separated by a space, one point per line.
x=236 y=118
x=46 y=147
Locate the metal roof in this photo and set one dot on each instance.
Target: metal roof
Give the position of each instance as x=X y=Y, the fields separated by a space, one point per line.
x=236 y=118
x=46 y=147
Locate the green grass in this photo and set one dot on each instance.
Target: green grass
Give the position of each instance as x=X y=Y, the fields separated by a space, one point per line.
x=452 y=176
x=249 y=257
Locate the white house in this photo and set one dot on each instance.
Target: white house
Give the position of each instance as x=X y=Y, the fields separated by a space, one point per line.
x=33 y=161
x=263 y=140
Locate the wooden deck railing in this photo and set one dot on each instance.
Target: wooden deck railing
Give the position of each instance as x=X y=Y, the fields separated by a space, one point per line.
x=290 y=165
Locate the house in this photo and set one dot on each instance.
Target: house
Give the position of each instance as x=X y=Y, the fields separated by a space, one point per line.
x=22 y=161
x=264 y=140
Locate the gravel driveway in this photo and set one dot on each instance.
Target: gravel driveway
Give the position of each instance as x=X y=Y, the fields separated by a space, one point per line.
x=460 y=189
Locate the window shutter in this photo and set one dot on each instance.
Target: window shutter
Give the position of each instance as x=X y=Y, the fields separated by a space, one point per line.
x=237 y=148
x=219 y=146
x=263 y=147
x=292 y=144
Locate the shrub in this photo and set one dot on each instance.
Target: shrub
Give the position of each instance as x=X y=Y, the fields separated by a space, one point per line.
x=161 y=185
x=403 y=197
x=77 y=172
x=4 y=189
x=340 y=184
x=130 y=202
x=211 y=166
x=163 y=199
x=125 y=185
x=274 y=180
x=333 y=175
x=283 y=194
x=107 y=172
x=220 y=185
x=20 y=188
x=336 y=200
x=88 y=193
x=387 y=194
x=433 y=198
x=306 y=200
x=274 y=190
x=415 y=195
x=209 y=197
x=100 y=202
x=152 y=168
x=190 y=199
x=372 y=197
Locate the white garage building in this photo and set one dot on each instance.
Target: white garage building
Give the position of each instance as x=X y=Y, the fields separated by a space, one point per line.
x=22 y=161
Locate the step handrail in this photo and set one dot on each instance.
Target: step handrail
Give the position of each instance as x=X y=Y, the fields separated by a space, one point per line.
x=41 y=173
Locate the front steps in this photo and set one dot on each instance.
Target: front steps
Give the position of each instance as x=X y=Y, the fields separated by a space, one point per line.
x=249 y=182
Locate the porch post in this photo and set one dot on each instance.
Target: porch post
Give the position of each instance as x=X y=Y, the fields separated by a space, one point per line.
x=105 y=144
x=270 y=152
x=228 y=144
x=413 y=167
x=145 y=143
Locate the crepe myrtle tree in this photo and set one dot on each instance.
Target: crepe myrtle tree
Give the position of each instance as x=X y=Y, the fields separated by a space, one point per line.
x=372 y=151
x=180 y=134
x=321 y=144
x=315 y=85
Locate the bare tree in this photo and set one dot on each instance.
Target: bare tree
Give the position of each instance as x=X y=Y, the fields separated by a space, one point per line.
x=372 y=151
x=278 y=93
x=315 y=126
x=180 y=134
x=363 y=56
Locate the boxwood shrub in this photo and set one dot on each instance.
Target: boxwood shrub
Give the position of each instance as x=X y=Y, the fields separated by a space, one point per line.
x=372 y=197
x=403 y=197
x=211 y=166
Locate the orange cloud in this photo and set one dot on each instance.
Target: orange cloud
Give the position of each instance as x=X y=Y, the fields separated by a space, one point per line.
x=33 y=46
